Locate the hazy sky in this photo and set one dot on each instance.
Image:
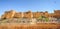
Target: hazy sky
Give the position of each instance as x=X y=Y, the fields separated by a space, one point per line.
x=33 y=5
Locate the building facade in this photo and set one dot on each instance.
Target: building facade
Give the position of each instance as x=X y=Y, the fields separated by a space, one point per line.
x=8 y=14
x=57 y=13
x=29 y=14
x=30 y=17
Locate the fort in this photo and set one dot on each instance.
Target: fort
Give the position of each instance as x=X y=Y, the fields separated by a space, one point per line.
x=30 y=20
x=30 y=14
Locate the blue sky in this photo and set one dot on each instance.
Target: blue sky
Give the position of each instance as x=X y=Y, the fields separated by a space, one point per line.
x=33 y=5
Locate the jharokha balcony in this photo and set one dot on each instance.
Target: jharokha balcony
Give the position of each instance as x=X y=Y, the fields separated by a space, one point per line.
x=30 y=20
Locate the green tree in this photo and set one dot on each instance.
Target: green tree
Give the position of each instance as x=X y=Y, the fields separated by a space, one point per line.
x=46 y=19
x=41 y=18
